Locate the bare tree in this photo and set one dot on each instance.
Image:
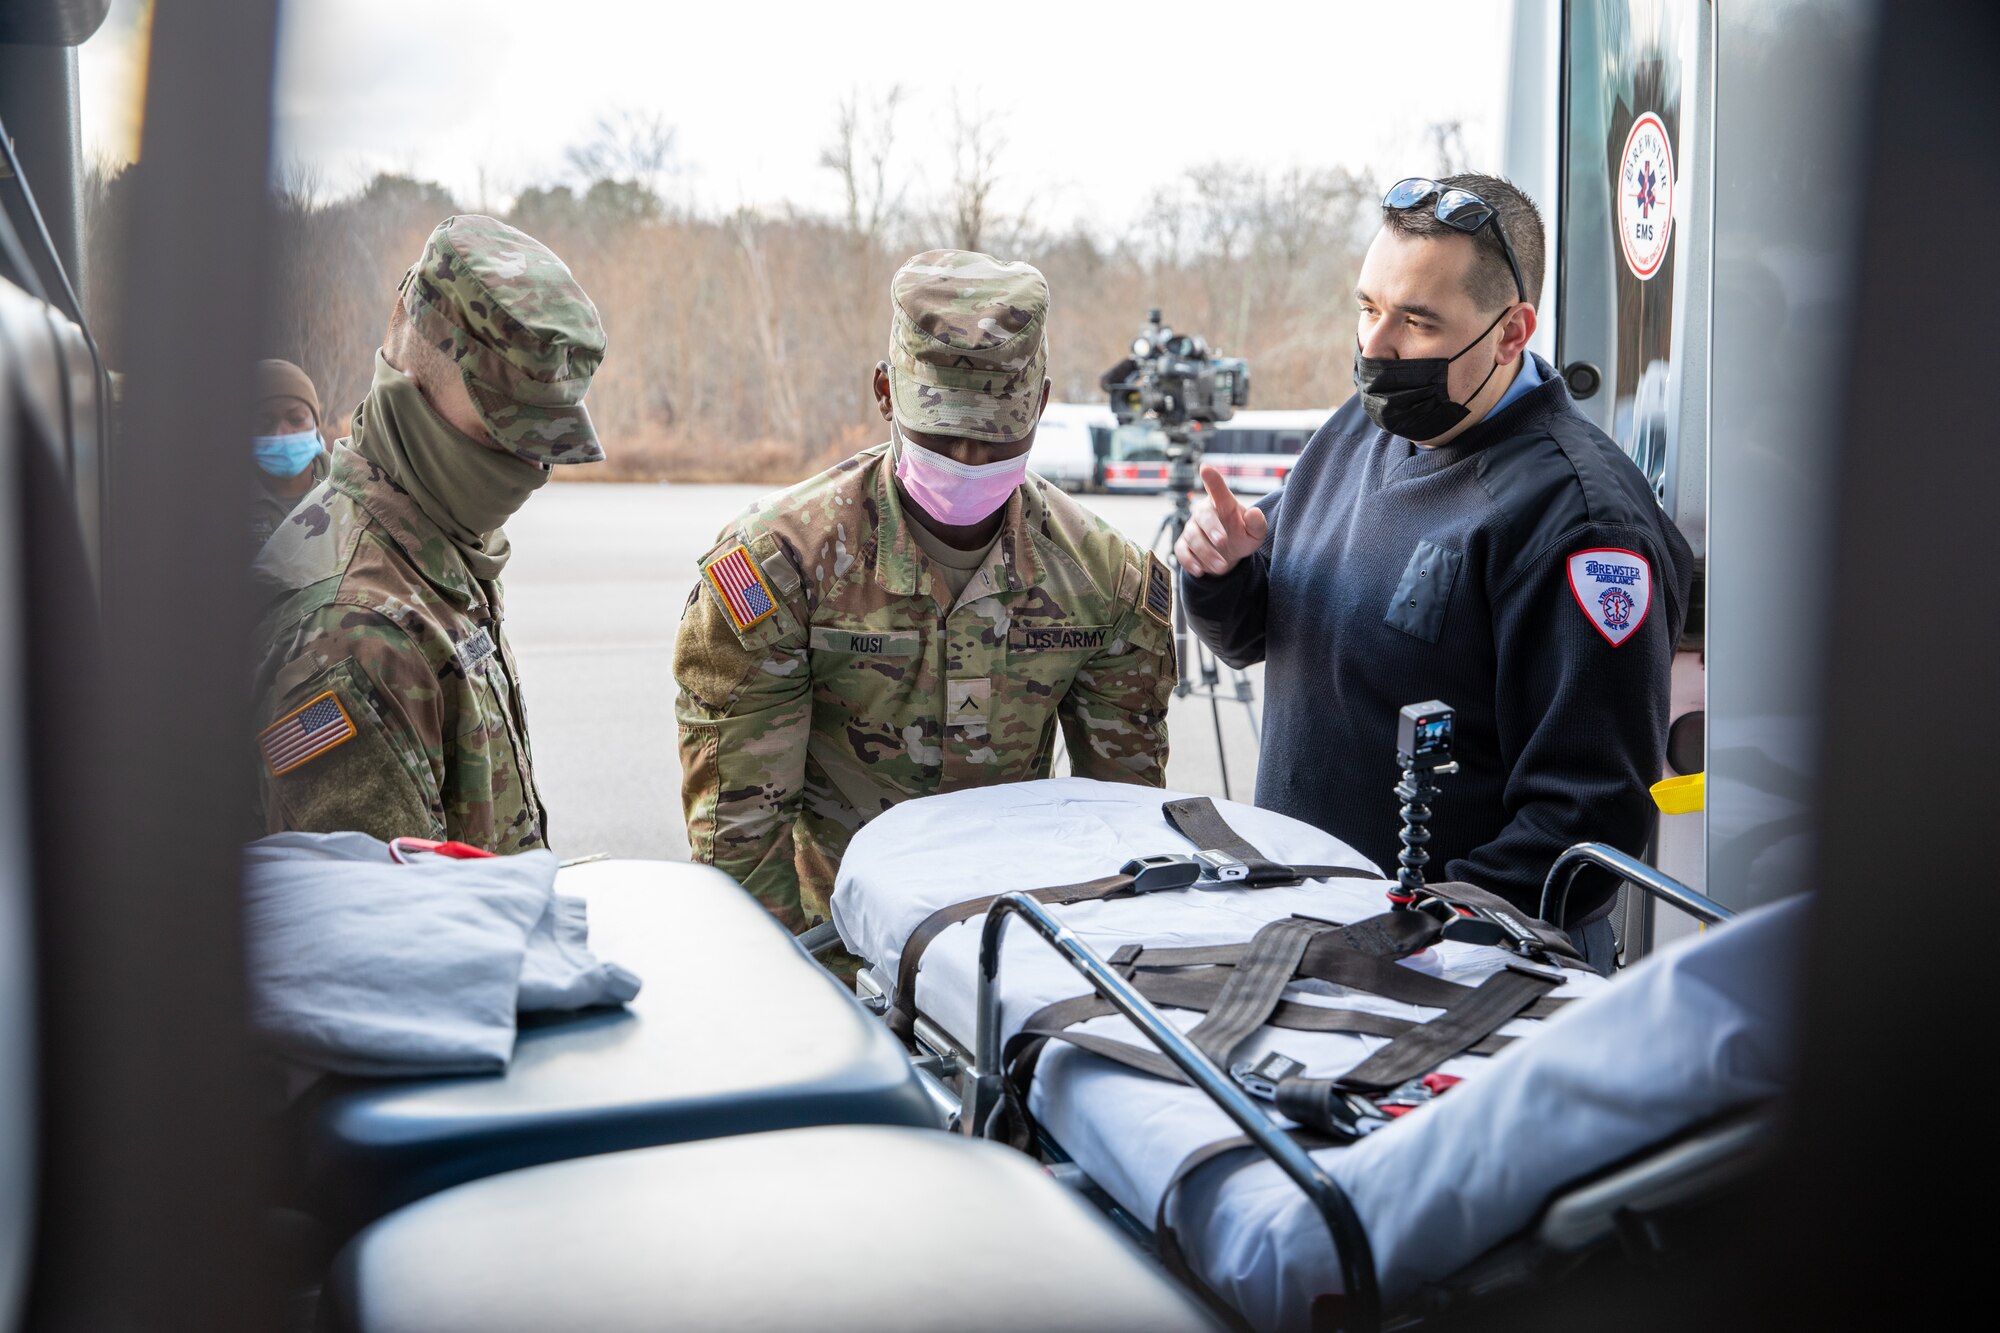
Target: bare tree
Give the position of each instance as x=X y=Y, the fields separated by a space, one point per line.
x=767 y=323
x=864 y=138
x=972 y=215
x=629 y=145
x=1447 y=140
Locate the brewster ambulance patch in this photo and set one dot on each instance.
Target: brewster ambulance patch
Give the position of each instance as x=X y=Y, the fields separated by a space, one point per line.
x=309 y=730
x=1159 y=590
x=1614 y=588
x=741 y=586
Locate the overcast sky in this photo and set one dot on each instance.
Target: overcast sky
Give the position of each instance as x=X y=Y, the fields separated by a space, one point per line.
x=1099 y=103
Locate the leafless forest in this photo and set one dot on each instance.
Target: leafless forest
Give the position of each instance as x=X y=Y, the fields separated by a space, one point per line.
x=740 y=344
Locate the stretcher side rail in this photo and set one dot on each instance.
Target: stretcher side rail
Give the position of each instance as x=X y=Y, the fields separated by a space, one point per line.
x=983 y=1090
x=1562 y=874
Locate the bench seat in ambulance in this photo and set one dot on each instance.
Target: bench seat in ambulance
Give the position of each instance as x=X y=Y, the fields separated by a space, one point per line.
x=735 y=1031
x=832 y=1229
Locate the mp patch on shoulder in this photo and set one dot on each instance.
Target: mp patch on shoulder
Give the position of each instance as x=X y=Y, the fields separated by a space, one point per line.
x=1159 y=600
x=737 y=580
x=1614 y=587
x=306 y=732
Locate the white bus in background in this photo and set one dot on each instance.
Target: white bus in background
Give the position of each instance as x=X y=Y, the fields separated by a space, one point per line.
x=1070 y=444
x=1255 y=451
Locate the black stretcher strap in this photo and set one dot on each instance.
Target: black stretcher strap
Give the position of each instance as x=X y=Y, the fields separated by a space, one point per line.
x=1389 y=935
x=1498 y=1000
x=1552 y=939
x=1148 y=1061
x=903 y=1013
x=1196 y=818
x=1175 y=992
x=1202 y=824
x=1254 y=986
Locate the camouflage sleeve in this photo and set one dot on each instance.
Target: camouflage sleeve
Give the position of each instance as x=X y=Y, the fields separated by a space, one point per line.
x=745 y=714
x=351 y=733
x=1115 y=715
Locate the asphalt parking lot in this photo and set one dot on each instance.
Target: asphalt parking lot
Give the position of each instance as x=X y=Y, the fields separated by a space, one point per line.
x=594 y=593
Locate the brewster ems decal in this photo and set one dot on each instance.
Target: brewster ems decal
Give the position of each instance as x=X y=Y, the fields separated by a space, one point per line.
x=1645 y=189
x=1614 y=587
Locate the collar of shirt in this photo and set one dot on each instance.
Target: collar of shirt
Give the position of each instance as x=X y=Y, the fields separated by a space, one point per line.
x=1529 y=377
x=899 y=562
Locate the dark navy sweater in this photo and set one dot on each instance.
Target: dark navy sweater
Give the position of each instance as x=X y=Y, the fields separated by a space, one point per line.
x=1525 y=575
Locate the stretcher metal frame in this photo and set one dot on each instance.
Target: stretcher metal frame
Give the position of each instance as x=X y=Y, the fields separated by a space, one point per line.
x=1562 y=874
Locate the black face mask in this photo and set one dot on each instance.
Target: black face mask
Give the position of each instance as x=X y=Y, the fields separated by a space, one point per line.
x=1411 y=397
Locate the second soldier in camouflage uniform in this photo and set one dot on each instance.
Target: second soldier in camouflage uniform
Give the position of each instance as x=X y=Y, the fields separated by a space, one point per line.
x=919 y=618
x=388 y=696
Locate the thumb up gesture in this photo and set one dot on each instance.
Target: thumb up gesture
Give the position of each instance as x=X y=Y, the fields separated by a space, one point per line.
x=1221 y=531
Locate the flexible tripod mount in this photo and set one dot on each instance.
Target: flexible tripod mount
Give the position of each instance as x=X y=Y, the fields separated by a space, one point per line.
x=1423 y=748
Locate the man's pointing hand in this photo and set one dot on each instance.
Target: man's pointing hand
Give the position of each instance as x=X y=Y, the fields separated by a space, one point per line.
x=1221 y=531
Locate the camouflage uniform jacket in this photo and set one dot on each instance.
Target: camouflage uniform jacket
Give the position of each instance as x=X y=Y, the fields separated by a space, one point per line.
x=862 y=686
x=425 y=735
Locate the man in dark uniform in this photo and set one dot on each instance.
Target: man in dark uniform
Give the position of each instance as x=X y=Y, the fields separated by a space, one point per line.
x=1457 y=530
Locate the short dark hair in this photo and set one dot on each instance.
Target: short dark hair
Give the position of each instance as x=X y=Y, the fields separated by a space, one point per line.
x=1490 y=282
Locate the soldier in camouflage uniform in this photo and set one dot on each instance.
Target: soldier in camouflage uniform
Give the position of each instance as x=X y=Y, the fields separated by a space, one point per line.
x=388 y=697
x=290 y=454
x=919 y=618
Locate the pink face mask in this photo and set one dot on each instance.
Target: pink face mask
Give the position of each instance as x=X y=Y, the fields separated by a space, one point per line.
x=954 y=493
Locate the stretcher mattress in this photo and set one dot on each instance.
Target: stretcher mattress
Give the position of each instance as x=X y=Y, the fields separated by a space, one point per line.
x=1692 y=1032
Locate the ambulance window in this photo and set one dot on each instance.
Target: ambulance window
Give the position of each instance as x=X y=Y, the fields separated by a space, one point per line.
x=1622 y=197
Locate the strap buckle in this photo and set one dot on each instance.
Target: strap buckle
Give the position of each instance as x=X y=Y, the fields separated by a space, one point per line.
x=1221 y=866
x=1156 y=874
x=1415 y=1093
x=1485 y=925
x=1260 y=1078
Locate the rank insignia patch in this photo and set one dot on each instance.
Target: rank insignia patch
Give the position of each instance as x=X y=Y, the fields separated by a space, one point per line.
x=310 y=730
x=1614 y=588
x=741 y=586
x=1159 y=600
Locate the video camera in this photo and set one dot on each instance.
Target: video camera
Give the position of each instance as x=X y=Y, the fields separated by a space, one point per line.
x=1175 y=379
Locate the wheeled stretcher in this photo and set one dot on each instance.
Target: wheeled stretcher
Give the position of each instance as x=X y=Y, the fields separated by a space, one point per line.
x=1449 y=1090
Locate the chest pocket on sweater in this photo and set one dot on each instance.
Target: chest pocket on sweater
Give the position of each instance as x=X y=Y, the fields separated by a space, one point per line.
x=1419 y=605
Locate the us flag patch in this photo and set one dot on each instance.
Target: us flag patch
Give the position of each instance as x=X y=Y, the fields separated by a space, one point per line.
x=1159 y=590
x=742 y=587
x=299 y=735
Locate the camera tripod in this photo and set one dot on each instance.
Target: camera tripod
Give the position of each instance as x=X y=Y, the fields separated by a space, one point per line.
x=1200 y=670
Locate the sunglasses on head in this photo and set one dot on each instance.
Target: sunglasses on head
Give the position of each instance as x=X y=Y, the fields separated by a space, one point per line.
x=1461 y=210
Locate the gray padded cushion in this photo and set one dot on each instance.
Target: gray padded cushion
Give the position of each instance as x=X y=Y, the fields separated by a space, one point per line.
x=825 y=1229
x=735 y=1031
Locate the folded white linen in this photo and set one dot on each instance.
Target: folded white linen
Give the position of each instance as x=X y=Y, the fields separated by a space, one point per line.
x=359 y=965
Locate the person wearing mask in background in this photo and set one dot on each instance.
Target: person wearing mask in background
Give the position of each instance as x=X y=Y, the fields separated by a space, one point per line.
x=290 y=454
x=1460 y=531
x=919 y=618
x=388 y=700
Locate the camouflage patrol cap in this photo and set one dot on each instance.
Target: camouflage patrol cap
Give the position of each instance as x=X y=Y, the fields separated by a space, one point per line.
x=967 y=353
x=524 y=334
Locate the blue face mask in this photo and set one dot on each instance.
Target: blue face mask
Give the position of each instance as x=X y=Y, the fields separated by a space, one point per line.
x=286 y=455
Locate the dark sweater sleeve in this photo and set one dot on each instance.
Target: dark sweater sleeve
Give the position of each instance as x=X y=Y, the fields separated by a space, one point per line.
x=1582 y=723
x=1227 y=610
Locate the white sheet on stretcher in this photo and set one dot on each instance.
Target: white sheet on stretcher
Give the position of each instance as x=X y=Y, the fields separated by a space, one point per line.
x=1689 y=1034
